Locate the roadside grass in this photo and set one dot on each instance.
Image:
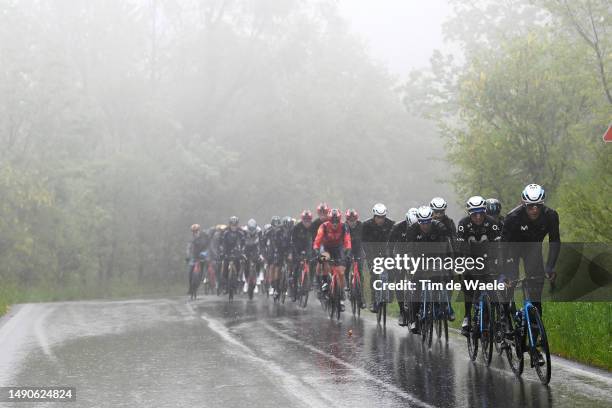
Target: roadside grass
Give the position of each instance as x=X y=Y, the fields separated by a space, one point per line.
x=579 y=331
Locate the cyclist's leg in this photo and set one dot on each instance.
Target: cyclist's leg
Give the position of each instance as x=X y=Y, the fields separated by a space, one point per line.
x=189 y=275
x=296 y=272
x=338 y=255
x=534 y=270
x=373 y=277
x=399 y=295
x=360 y=265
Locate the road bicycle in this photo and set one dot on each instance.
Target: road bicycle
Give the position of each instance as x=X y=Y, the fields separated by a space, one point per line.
x=529 y=335
x=355 y=288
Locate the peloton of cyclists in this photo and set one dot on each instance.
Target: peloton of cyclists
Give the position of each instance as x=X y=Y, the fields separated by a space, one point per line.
x=284 y=241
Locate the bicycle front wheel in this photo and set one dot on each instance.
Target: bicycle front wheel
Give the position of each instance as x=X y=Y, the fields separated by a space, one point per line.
x=230 y=281
x=540 y=354
x=512 y=345
x=486 y=329
x=473 y=332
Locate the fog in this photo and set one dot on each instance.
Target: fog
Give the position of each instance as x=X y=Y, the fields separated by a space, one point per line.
x=401 y=35
x=124 y=122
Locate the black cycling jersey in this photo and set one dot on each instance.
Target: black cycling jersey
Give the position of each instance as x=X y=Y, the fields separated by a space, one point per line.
x=371 y=232
x=450 y=226
x=301 y=238
x=253 y=241
x=474 y=240
x=519 y=228
x=279 y=239
x=232 y=242
x=437 y=233
x=199 y=244
x=398 y=234
x=490 y=227
x=356 y=238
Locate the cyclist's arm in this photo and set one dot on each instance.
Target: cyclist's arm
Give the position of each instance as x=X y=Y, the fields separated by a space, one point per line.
x=554 y=239
x=318 y=238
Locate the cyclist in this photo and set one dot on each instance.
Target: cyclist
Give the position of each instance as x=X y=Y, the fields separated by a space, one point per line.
x=438 y=206
x=214 y=254
x=494 y=209
x=252 y=249
x=272 y=246
x=265 y=250
x=399 y=234
x=280 y=241
x=531 y=222
x=232 y=248
x=474 y=233
x=301 y=240
x=322 y=212
x=375 y=234
x=426 y=230
x=333 y=241
x=356 y=229
x=199 y=243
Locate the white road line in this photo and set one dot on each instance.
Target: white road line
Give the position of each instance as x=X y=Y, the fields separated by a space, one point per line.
x=363 y=373
x=294 y=386
x=40 y=334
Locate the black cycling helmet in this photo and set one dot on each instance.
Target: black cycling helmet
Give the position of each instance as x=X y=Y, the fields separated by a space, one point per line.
x=275 y=221
x=493 y=207
x=287 y=221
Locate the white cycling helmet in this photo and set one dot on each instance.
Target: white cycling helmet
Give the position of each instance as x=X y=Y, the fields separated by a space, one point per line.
x=476 y=204
x=438 y=204
x=379 y=209
x=411 y=216
x=533 y=194
x=424 y=215
x=252 y=225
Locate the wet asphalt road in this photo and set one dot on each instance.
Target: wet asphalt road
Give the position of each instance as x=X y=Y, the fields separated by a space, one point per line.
x=208 y=353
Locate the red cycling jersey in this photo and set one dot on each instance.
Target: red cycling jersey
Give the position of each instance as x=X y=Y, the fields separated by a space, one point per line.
x=332 y=236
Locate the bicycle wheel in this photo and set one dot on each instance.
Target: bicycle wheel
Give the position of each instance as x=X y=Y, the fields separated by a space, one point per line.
x=331 y=304
x=512 y=345
x=338 y=300
x=486 y=332
x=427 y=325
x=540 y=348
x=384 y=314
x=359 y=296
x=230 y=281
x=304 y=288
x=446 y=330
x=438 y=320
x=283 y=285
x=251 y=280
x=379 y=312
x=473 y=331
x=498 y=335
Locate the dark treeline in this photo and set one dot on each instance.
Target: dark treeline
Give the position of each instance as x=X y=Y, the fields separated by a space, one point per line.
x=124 y=122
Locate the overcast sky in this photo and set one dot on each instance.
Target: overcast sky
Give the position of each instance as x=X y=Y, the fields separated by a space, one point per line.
x=401 y=33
